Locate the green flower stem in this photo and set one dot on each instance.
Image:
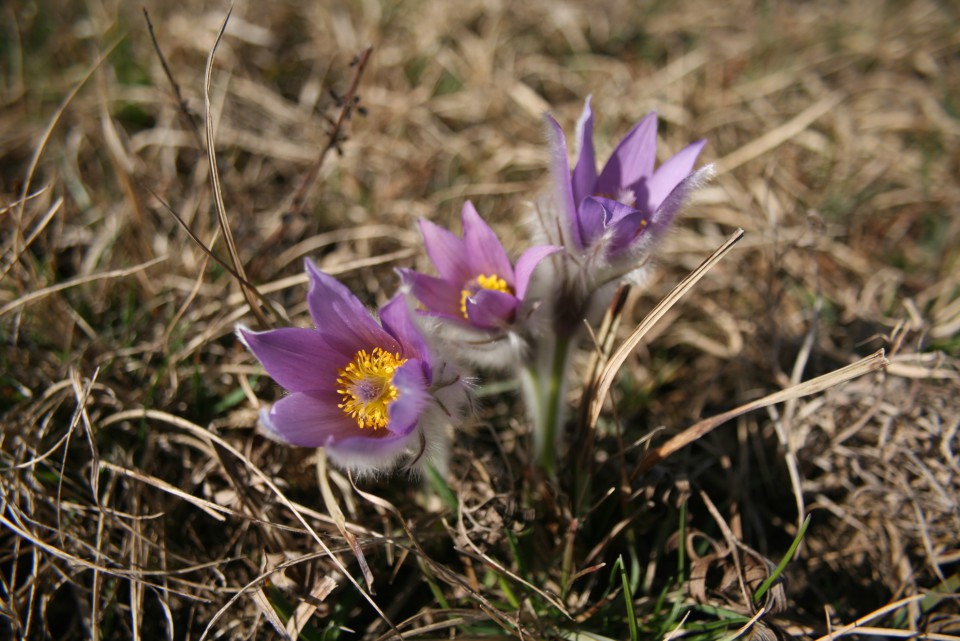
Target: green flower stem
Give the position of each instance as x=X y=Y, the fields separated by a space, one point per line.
x=544 y=384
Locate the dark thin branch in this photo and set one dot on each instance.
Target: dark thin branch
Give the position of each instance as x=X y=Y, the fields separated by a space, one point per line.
x=209 y=252
x=348 y=103
x=181 y=103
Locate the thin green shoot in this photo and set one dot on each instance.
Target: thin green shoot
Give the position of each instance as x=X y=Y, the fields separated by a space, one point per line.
x=762 y=590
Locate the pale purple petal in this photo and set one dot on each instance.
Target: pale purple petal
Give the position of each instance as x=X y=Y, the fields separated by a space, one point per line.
x=672 y=204
x=670 y=173
x=585 y=171
x=395 y=317
x=437 y=295
x=527 y=263
x=491 y=309
x=446 y=251
x=341 y=318
x=632 y=161
x=308 y=420
x=595 y=213
x=563 y=187
x=615 y=211
x=412 y=398
x=484 y=251
x=604 y=214
x=626 y=230
x=296 y=358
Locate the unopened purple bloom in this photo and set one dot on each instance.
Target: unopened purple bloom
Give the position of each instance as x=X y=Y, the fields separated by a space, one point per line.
x=358 y=388
x=477 y=284
x=629 y=199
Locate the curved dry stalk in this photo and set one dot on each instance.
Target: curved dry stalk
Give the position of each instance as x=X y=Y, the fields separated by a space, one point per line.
x=610 y=369
x=245 y=286
x=872 y=363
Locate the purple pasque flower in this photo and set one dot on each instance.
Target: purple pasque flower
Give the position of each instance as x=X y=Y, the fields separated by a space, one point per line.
x=362 y=390
x=626 y=204
x=477 y=285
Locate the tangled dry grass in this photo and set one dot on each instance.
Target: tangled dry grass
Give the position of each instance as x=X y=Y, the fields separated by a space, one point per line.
x=136 y=499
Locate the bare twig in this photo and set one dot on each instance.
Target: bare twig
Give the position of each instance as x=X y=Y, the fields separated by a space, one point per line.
x=348 y=103
x=181 y=103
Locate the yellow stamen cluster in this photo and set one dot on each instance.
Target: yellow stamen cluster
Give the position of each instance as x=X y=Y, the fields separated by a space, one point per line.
x=366 y=387
x=482 y=281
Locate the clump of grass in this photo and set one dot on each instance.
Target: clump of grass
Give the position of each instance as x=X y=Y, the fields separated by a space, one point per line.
x=138 y=499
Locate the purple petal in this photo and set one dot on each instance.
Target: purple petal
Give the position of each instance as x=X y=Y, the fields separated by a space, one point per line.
x=491 y=309
x=395 y=317
x=412 y=398
x=595 y=215
x=671 y=205
x=632 y=161
x=604 y=214
x=446 y=251
x=484 y=251
x=626 y=229
x=563 y=187
x=309 y=420
x=437 y=295
x=341 y=318
x=528 y=262
x=296 y=358
x=585 y=171
x=670 y=173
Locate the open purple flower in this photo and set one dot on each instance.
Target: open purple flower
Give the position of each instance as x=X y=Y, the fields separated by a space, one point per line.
x=362 y=390
x=629 y=201
x=477 y=284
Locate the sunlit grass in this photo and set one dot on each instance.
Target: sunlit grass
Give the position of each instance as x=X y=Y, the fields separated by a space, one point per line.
x=138 y=499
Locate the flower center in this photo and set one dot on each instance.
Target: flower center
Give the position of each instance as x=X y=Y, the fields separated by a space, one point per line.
x=366 y=387
x=482 y=281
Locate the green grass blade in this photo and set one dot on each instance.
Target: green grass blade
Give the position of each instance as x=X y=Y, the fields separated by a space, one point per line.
x=783 y=562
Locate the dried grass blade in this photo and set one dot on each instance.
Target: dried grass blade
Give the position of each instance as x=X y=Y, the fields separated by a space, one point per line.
x=872 y=363
x=73 y=282
x=245 y=286
x=620 y=355
x=212 y=438
x=209 y=508
x=858 y=624
x=333 y=508
x=45 y=138
x=441 y=570
x=778 y=136
x=746 y=626
x=40 y=226
x=262 y=601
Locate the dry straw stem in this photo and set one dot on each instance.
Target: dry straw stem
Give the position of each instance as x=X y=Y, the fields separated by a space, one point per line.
x=42 y=144
x=857 y=626
x=218 y=191
x=213 y=439
x=619 y=357
x=872 y=363
x=74 y=282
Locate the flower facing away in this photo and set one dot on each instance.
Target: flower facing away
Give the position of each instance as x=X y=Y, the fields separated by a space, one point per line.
x=478 y=294
x=365 y=391
x=628 y=204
